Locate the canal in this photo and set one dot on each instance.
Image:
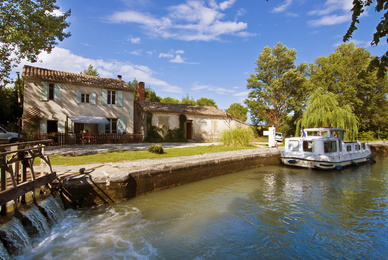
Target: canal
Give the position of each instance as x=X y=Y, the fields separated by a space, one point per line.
x=271 y=212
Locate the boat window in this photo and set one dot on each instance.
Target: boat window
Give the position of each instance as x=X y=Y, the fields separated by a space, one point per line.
x=317 y=133
x=330 y=146
x=349 y=148
x=293 y=145
x=308 y=146
x=357 y=147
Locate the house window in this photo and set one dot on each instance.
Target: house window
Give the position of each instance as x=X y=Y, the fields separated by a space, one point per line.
x=84 y=98
x=112 y=126
x=111 y=97
x=51 y=92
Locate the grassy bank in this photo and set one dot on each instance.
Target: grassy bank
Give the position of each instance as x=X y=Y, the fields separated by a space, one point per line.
x=117 y=156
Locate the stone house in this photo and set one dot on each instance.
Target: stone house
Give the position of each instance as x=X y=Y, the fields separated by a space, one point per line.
x=201 y=123
x=70 y=102
x=73 y=103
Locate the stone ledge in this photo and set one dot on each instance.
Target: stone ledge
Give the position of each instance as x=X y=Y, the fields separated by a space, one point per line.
x=114 y=182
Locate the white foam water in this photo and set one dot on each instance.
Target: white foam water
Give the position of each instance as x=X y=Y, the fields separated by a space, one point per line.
x=37 y=224
x=97 y=233
x=15 y=237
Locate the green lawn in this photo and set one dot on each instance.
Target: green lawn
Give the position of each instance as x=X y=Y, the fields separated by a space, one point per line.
x=116 y=156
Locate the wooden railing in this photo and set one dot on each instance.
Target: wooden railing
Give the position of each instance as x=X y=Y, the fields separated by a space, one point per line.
x=16 y=181
x=61 y=139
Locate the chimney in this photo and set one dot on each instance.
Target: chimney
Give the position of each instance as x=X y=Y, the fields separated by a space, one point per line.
x=140 y=91
x=119 y=77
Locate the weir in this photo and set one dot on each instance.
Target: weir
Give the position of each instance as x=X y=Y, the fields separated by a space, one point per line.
x=19 y=183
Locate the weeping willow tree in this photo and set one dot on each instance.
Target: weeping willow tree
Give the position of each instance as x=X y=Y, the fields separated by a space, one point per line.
x=323 y=110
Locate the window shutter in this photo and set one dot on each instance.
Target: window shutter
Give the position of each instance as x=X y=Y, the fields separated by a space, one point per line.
x=93 y=98
x=44 y=86
x=61 y=126
x=104 y=97
x=122 y=125
x=78 y=97
x=57 y=92
x=43 y=126
x=119 y=98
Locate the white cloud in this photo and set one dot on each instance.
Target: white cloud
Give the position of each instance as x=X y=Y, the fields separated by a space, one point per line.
x=330 y=20
x=331 y=13
x=135 y=40
x=241 y=94
x=71 y=62
x=282 y=7
x=193 y=20
x=166 y=55
x=174 y=56
x=177 y=59
x=220 y=91
x=136 y=52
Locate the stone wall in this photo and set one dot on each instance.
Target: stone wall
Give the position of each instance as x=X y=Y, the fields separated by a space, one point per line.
x=122 y=182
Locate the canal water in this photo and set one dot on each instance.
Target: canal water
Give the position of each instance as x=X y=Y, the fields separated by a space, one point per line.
x=272 y=212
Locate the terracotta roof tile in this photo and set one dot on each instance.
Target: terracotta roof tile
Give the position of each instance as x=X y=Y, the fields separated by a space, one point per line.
x=181 y=109
x=30 y=72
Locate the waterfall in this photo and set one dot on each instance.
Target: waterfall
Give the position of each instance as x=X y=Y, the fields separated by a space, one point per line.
x=16 y=234
x=14 y=237
x=34 y=222
x=52 y=210
x=3 y=252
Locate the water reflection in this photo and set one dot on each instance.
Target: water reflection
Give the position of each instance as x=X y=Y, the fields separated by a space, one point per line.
x=265 y=213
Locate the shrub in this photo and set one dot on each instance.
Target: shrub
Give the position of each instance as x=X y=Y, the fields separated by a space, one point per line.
x=156 y=148
x=237 y=137
x=366 y=136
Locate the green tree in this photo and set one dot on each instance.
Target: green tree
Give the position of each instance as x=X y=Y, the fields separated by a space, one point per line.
x=278 y=87
x=323 y=110
x=238 y=111
x=365 y=93
x=10 y=108
x=90 y=71
x=187 y=100
x=28 y=27
x=206 y=102
x=134 y=84
x=150 y=95
x=169 y=100
x=359 y=7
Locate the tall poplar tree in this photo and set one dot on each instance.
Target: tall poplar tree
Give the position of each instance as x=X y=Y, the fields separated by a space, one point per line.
x=278 y=87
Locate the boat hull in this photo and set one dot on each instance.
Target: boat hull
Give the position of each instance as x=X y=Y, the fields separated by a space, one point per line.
x=316 y=163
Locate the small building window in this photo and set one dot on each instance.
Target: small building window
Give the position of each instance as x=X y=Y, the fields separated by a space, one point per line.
x=112 y=126
x=111 y=97
x=85 y=98
x=51 y=92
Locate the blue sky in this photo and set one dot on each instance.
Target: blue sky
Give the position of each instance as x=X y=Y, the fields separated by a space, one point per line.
x=203 y=48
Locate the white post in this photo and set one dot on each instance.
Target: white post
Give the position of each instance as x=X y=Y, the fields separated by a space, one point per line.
x=271 y=136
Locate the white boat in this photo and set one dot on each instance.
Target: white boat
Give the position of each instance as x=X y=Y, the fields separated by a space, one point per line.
x=324 y=148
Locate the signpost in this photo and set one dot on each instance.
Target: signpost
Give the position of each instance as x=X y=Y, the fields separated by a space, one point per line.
x=271 y=136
